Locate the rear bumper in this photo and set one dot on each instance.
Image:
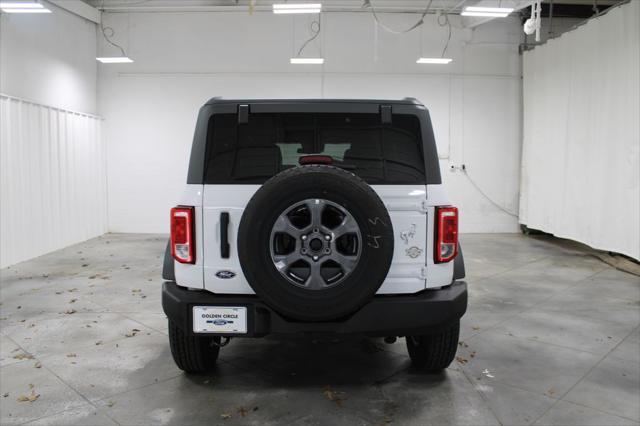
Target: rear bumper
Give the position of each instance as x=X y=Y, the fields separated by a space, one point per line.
x=398 y=315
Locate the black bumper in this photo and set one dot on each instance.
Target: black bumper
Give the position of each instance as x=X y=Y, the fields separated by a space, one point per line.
x=393 y=315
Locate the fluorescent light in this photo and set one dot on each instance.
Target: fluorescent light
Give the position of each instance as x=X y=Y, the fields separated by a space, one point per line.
x=23 y=7
x=489 y=9
x=115 y=60
x=488 y=14
x=297 y=8
x=291 y=11
x=12 y=10
x=493 y=12
x=20 y=5
x=307 y=61
x=440 y=61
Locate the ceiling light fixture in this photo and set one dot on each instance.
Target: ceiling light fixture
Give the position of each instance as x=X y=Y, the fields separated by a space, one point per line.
x=438 y=61
x=20 y=4
x=23 y=7
x=283 y=8
x=306 y=61
x=115 y=60
x=492 y=12
x=10 y=10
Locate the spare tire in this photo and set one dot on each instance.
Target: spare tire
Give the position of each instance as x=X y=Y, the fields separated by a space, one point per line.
x=315 y=242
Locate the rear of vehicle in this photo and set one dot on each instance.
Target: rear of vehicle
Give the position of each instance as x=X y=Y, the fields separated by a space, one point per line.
x=313 y=217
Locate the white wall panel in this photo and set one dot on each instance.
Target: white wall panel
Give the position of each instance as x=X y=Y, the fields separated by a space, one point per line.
x=52 y=179
x=183 y=59
x=581 y=152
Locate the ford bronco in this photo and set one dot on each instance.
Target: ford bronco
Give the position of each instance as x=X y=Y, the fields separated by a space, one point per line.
x=313 y=217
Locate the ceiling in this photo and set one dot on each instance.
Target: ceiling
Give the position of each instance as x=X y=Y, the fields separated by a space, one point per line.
x=561 y=8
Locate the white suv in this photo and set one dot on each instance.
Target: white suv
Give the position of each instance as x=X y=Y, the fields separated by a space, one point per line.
x=313 y=217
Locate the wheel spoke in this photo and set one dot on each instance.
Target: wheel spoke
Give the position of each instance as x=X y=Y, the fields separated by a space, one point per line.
x=315 y=280
x=316 y=207
x=346 y=262
x=348 y=226
x=284 y=261
x=284 y=225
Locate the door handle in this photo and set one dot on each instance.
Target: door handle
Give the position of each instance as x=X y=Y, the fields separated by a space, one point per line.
x=224 y=235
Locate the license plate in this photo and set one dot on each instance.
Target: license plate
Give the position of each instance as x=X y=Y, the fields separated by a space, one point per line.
x=219 y=319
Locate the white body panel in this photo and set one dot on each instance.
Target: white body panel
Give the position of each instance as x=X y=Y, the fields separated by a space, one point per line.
x=406 y=206
x=218 y=199
x=411 y=208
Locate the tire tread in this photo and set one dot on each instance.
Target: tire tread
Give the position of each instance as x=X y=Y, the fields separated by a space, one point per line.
x=435 y=352
x=191 y=353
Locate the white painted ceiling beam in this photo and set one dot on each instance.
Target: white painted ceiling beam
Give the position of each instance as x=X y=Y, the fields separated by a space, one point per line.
x=79 y=8
x=411 y=6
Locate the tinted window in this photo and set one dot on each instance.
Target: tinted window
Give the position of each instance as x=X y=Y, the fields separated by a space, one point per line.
x=269 y=143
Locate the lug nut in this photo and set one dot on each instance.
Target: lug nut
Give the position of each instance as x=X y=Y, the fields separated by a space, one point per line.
x=327 y=237
x=315 y=257
x=304 y=237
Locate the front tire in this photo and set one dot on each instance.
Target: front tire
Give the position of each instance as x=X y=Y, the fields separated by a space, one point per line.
x=434 y=352
x=192 y=354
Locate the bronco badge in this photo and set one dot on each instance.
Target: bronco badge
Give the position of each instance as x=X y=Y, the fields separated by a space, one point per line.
x=408 y=234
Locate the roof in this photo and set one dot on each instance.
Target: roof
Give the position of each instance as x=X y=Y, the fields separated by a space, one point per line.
x=405 y=101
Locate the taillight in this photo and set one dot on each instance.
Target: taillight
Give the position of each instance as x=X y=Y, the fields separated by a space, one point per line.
x=182 y=240
x=446 y=247
x=315 y=159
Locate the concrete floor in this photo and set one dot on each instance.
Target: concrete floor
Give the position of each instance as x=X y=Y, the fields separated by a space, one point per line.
x=551 y=337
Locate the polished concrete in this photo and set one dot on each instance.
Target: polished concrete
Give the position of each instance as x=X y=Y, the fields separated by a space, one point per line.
x=551 y=337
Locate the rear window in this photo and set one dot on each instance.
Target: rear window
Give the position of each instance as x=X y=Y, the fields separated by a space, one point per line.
x=269 y=143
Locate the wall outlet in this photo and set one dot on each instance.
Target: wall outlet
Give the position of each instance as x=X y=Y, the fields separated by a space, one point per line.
x=457 y=167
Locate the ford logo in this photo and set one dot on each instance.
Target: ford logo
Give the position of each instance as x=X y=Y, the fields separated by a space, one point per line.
x=219 y=322
x=225 y=275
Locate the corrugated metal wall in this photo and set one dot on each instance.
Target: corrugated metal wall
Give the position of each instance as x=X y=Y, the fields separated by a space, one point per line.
x=52 y=179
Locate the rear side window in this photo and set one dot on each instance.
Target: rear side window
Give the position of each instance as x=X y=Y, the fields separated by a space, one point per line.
x=269 y=143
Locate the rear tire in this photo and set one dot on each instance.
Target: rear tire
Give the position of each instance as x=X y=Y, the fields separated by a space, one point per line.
x=192 y=354
x=434 y=352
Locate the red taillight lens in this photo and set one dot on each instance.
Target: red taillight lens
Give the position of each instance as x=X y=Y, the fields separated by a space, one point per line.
x=182 y=242
x=446 y=247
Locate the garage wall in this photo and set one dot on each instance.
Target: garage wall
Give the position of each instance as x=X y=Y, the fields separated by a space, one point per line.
x=49 y=59
x=52 y=160
x=581 y=160
x=183 y=59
